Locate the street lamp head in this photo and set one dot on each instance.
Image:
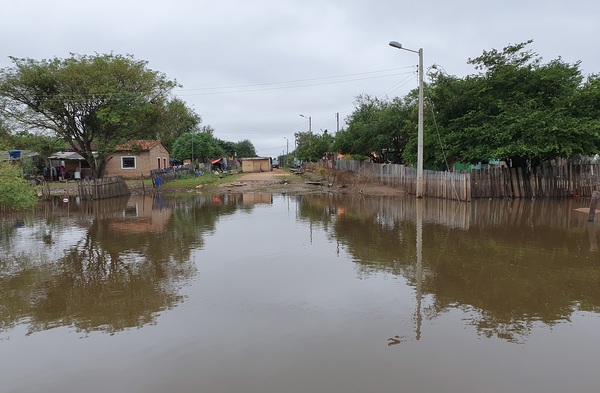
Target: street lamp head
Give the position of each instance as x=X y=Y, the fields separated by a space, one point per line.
x=396 y=44
x=301 y=115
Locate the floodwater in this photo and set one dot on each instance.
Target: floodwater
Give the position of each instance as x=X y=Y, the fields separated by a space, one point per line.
x=316 y=293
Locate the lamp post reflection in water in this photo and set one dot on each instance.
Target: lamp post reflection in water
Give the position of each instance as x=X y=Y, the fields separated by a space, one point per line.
x=419 y=267
x=418 y=275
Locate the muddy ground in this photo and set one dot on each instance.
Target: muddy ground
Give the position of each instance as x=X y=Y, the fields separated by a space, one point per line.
x=275 y=181
x=280 y=181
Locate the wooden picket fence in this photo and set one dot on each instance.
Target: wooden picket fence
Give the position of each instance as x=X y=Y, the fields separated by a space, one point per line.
x=444 y=185
x=557 y=178
x=170 y=173
x=108 y=187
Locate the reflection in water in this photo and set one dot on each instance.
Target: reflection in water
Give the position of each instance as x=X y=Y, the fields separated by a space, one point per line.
x=315 y=293
x=104 y=265
x=510 y=264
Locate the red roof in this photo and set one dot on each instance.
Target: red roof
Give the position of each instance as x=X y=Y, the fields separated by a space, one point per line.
x=142 y=144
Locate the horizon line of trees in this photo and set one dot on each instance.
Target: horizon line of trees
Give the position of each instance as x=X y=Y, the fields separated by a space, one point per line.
x=93 y=103
x=516 y=108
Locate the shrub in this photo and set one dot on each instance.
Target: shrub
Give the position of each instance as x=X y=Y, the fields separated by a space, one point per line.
x=15 y=192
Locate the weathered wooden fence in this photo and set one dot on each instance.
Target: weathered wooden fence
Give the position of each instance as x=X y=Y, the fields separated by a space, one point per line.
x=108 y=187
x=170 y=173
x=557 y=178
x=445 y=185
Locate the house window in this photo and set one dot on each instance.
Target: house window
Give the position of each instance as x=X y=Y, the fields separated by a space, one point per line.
x=158 y=162
x=164 y=162
x=127 y=162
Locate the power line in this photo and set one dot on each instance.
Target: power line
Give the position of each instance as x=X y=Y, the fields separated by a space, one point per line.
x=297 y=80
x=248 y=89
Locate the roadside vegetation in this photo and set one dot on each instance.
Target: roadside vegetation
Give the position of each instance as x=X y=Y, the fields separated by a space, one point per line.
x=16 y=193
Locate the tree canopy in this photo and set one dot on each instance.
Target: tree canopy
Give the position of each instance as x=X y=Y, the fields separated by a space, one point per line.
x=313 y=146
x=94 y=102
x=200 y=146
x=516 y=108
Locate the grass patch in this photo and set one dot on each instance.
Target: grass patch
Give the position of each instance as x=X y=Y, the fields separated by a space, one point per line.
x=208 y=179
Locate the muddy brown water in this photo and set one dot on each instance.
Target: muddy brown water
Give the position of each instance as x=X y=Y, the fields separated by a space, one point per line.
x=310 y=293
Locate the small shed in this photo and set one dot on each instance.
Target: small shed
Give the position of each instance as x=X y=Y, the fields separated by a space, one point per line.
x=256 y=164
x=76 y=166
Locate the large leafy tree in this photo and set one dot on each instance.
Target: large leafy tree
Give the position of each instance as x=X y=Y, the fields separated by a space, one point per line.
x=380 y=129
x=517 y=108
x=174 y=120
x=200 y=146
x=92 y=102
x=244 y=149
x=313 y=146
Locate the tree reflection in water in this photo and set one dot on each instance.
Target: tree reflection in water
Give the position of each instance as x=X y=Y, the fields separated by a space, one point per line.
x=126 y=268
x=510 y=265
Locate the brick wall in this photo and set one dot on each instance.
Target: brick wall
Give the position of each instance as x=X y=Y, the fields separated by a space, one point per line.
x=144 y=163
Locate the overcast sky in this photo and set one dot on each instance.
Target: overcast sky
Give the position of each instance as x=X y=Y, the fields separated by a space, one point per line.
x=249 y=68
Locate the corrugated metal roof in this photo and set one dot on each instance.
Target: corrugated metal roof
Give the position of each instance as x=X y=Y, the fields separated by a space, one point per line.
x=66 y=155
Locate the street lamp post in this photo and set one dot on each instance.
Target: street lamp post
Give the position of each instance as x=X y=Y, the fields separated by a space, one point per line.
x=309 y=123
x=420 y=184
x=287 y=150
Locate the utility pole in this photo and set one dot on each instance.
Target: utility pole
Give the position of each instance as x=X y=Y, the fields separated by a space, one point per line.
x=420 y=187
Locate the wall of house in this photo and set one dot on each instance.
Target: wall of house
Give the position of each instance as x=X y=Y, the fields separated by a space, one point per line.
x=256 y=165
x=144 y=163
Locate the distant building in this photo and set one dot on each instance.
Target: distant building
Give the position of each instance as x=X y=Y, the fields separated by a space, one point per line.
x=256 y=164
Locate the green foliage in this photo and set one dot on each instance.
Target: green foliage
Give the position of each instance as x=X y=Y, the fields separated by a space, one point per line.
x=244 y=149
x=41 y=144
x=200 y=146
x=379 y=129
x=174 y=120
x=228 y=147
x=312 y=146
x=516 y=108
x=15 y=192
x=92 y=102
x=5 y=136
x=241 y=149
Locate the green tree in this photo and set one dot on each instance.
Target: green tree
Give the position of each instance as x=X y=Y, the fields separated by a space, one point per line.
x=228 y=147
x=15 y=192
x=174 y=120
x=41 y=144
x=380 y=129
x=92 y=102
x=516 y=109
x=244 y=149
x=200 y=146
